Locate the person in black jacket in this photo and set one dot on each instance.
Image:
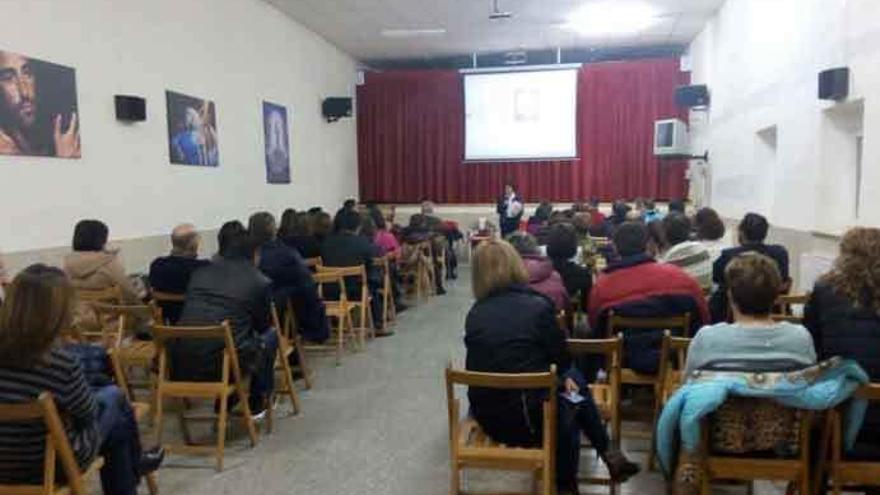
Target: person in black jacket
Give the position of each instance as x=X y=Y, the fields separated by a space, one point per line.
x=347 y=247
x=513 y=329
x=752 y=233
x=171 y=274
x=510 y=210
x=843 y=315
x=562 y=244
x=230 y=289
x=291 y=279
x=297 y=233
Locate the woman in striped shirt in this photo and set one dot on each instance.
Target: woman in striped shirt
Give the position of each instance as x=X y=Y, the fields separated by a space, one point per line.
x=99 y=421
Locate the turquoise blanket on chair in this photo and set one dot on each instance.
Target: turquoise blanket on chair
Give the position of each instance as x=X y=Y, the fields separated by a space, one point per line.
x=816 y=388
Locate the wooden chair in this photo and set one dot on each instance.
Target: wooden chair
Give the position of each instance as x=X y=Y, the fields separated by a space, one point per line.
x=389 y=310
x=843 y=472
x=282 y=363
x=117 y=322
x=470 y=447
x=419 y=268
x=230 y=382
x=87 y=323
x=295 y=344
x=607 y=394
x=164 y=298
x=361 y=306
x=141 y=410
x=314 y=263
x=795 y=470
x=58 y=450
x=782 y=310
x=338 y=310
x=616 y=325
x=673 y=356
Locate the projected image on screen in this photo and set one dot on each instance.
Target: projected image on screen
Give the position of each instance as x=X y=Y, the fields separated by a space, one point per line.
x=521 y=115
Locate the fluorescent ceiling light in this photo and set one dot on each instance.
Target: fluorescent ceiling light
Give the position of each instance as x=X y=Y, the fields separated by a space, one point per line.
x=412 y=33
x=612 y=17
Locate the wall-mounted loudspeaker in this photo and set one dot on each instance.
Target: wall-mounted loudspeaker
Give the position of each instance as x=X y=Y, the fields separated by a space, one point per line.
x=692 y=96
x=131 y=108
x=834 y=84
x=336 y=108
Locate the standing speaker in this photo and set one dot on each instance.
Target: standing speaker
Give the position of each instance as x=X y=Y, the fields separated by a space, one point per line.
x=130 y=108
x=336 y=108
x=692 y=96
x=834 y=84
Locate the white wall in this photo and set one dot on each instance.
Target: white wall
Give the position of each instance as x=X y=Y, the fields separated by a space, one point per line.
x=761 y=59
x=235 y=52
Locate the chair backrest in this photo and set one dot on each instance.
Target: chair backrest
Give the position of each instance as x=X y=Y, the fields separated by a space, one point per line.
x=358 y=272
x=162 y=334
x=618 y=323
x=314 y=263
x=161 y=299
x=112 y=295
x=116 y=319
x=783 y=311
x=58 y=447
x=673 y=356
x=612 y=352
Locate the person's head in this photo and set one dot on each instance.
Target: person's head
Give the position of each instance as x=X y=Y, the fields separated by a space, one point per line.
x=496 y=266
x=676 y=205
x=639 y=203
x=368 y=227
x=594 y=202
x=90 y=235
x=677 y=227
x=509 y=189
x=427 y=208
x=349 y=221
x=38 y=307
x=657 y=242
x=524 y=243
x=315 y=210
x=856 y=272
x=753 y=283
x=753 y=229
x=562 y=242
x=708 y=225
x=302 y=225
x=235 y=242
x=322 y=224
x=18 y=90
x=582 y=222
x=350 y=204
x=619 y=209
x=185 y=240
x=631 y=238
x=261 y=227
x=543 y=211
x=288 y=217
x=650 y=205
x=378 y=219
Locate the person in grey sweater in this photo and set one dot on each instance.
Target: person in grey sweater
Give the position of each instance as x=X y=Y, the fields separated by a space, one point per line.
x=753 y=282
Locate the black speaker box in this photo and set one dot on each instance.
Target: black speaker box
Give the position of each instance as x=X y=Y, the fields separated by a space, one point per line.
x=692 y=96
x=131 y=108
x=336 y=108
x=834 y=84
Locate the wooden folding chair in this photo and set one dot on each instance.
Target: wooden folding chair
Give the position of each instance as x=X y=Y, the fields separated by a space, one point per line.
x=87 y=323
x=282 y=364
x=338 y=310
x=162 y=299
x=796 y=470
x=58 y=450
x=418 y=267
x=314 y=263
x=389 y=310
x=360 y=306
x=470 y=447
x=842 y=472
x=295 y=344
x=117 y=322
x=782 y=309
x=617 y=325
x=606 y=394
x=230 y=382
x=141 y=409
x=673 y=356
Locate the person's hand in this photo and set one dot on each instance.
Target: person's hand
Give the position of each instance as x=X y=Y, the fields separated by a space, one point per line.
x=571 y=386
x=67 y=141
x=7 y=145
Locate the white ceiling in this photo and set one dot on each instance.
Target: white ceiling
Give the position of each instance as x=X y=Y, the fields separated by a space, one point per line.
x=356 y=25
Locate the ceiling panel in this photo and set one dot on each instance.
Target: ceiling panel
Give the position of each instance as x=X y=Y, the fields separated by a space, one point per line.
x=356 y=25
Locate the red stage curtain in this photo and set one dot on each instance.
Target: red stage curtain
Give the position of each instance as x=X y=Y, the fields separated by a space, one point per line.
x=411 y=139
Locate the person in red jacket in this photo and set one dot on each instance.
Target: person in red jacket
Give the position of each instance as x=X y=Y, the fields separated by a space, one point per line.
x=637 y=286
x=543 y=277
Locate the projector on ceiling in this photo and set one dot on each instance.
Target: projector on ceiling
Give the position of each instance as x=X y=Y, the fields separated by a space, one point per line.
x=497 y=14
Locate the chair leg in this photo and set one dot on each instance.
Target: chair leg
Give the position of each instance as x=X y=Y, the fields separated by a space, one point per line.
x=153 y=483
x=652 y=449
x=246 y=411
x=454 y=480
x=289 y=388
x=340 y=338
x=548 y=484
x=221 y=431
x=303 y=366
x=157 y=418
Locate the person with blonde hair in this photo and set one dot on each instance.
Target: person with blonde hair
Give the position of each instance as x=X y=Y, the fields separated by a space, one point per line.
x=843 y=315
x=512 y=329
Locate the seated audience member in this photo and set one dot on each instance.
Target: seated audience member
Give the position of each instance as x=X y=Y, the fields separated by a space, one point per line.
x=314 y=210
x=347 y=247
x=843 y=315
x=657 y=242
x=637 y=286
x=432 y=221
x=384 y=239
x=619 y=211
x=676 y=205
x=291 y=279
x=98 y=419
x=691 y=256
x=286 y=226
x=418 y=232
x=538 y=222
x=753 y=282
x=92 y=266
x=587 y=249
x=449 y=233
x=542 y=277
x=752 y=232
x=513 y=329
x=298 y=235
x=350 y=204
x=561 y=249
x=322 y=226
x=599 y=224
x=171 y=273
x=230 y=289
x=652 y=214
x=710 y=232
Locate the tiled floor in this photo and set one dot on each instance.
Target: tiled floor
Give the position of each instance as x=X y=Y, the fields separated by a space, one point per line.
x=375 y=425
